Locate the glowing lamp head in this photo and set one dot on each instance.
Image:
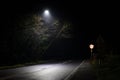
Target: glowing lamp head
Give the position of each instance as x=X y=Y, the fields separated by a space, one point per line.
x=91 y=46
x=46 y=12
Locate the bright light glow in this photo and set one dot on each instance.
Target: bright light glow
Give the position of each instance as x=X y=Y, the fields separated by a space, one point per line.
x=46 y=12
x=47 y=17
x=91 y=46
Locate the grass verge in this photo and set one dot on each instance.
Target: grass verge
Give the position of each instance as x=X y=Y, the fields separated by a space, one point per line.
x=109 y=69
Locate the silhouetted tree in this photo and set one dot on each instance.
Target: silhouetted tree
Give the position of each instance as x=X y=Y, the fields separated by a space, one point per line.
x=33 y=35
x=101 y=48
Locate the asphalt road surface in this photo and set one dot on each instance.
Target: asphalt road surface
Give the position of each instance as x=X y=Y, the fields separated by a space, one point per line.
x=47 y=71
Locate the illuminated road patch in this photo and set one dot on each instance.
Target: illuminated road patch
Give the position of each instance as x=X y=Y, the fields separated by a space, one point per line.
x=56 y=71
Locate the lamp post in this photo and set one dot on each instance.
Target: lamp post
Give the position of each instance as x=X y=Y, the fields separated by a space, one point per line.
x=91 y=49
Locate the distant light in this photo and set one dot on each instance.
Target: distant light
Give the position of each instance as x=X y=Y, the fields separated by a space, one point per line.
x=46 y=12
x=91 y=46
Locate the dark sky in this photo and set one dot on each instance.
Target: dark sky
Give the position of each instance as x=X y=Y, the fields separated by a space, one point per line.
x=89 y=18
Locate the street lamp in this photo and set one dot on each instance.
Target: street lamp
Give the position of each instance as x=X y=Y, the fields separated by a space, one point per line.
x=47 y=17
x=46 y=13
x=91 y=48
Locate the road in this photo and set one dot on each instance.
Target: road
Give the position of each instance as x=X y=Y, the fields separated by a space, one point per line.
x=47 y=71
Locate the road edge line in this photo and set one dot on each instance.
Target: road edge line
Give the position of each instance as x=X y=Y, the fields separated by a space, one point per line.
x=73 y=71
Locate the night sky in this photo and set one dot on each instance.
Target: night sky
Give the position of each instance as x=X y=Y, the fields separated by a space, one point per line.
x=89 y=18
